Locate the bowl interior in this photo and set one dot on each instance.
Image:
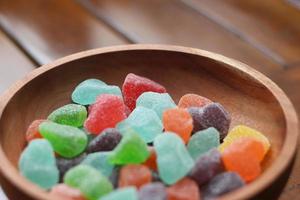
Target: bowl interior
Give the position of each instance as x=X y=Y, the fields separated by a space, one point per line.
x=248 y=101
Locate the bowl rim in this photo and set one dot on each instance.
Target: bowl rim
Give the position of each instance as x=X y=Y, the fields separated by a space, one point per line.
x=280 y=164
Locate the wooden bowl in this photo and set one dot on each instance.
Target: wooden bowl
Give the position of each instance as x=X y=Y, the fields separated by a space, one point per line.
x=250 y=97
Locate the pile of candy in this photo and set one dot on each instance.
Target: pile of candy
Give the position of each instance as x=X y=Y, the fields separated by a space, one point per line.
x=137 y=144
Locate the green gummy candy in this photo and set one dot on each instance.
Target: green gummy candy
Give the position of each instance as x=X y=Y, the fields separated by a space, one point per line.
x=37 y=163
x=127 y=193
x=71 y=114
x=87 y=91
x=132 y=149
x=159 y=102
x=173 y=159
x=89 y=181
x=67 y=141
x=203 y=141
x=100 y=162
x=143 y=121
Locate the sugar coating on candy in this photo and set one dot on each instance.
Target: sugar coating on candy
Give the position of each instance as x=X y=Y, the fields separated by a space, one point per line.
x=127 y=193
x=135 y=85
x=193 y=100
x=107 y=111
x=132 y=149
x=211 y=115
x=33 y=130
x=243 y=156
x=105 y=141
x=153 y=191
x=241 y=131
x=67 y=141
x=151 y=161
x=221 y=184
x=203 y=141
x=89 y=181
x=206 y=167
x=158 y=102
x=64 y=164
x=173 y=159
x=100 y=162
x=71 y=114
x=185 y=189
x=178 y=121
x=143 y=121
x=66 y=192
x=87 y=91
x=37 y=164
x=134 y=175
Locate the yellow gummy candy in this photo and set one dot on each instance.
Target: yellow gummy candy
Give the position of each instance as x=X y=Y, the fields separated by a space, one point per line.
x=241 y=131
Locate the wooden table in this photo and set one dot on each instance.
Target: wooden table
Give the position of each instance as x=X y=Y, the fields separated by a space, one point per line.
x=264 y=34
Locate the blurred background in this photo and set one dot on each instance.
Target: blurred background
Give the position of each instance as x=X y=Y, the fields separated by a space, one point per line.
x=264 y=34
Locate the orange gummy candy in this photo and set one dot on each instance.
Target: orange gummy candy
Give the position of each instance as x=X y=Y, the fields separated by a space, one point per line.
x=134 y=175
x=151 y=161
x=185 y=189
x=178 y=121
x=33 y=130
x=243 y=156
x=66 y=192
x=193 y=100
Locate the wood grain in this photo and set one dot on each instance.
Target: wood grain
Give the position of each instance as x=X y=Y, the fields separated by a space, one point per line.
x=14 y=64
x=271 y=24
x=48 y=30
x=171 y=22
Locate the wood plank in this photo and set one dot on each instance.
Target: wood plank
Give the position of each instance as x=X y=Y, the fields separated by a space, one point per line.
x=13 y=63
x=51 y=29
x=171 y=22
x=274 y=24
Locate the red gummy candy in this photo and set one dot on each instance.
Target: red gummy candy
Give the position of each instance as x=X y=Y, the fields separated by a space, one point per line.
x=134 y=175
x=106 y=112
x=185 y=189
x=135 y=85
x=151 y=161
x=33 y=130
x=66 y=192
x=193 y=100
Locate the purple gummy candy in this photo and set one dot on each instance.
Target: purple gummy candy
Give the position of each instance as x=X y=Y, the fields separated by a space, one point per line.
x=207 y=166
x=105 y=141
x=221 y=184
x=153 y=191
x=211 y=115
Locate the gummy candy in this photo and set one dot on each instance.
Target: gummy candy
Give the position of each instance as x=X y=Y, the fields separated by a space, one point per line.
x=134 y=175
x=203 y=141
x=66 y=192
x=33 y=130
x=173 y=159
x=143 y=121
x=222 y=184
x=151 y=161
x=178 y=121
x=105 y=141
x=87 y=91
x=243 y=156
x=100 y=162
x=153 y=191
x=107 y=111
x=126 y=193
x=131 y=149
x=211 y=115
x=67 y=141
x=71 y=114
x=185 y=189
x=37 y=164
x=207 y=166
x=193 y=100
x=89 y=181
x=244 y=131
x=158 y=102
x=135 y=85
